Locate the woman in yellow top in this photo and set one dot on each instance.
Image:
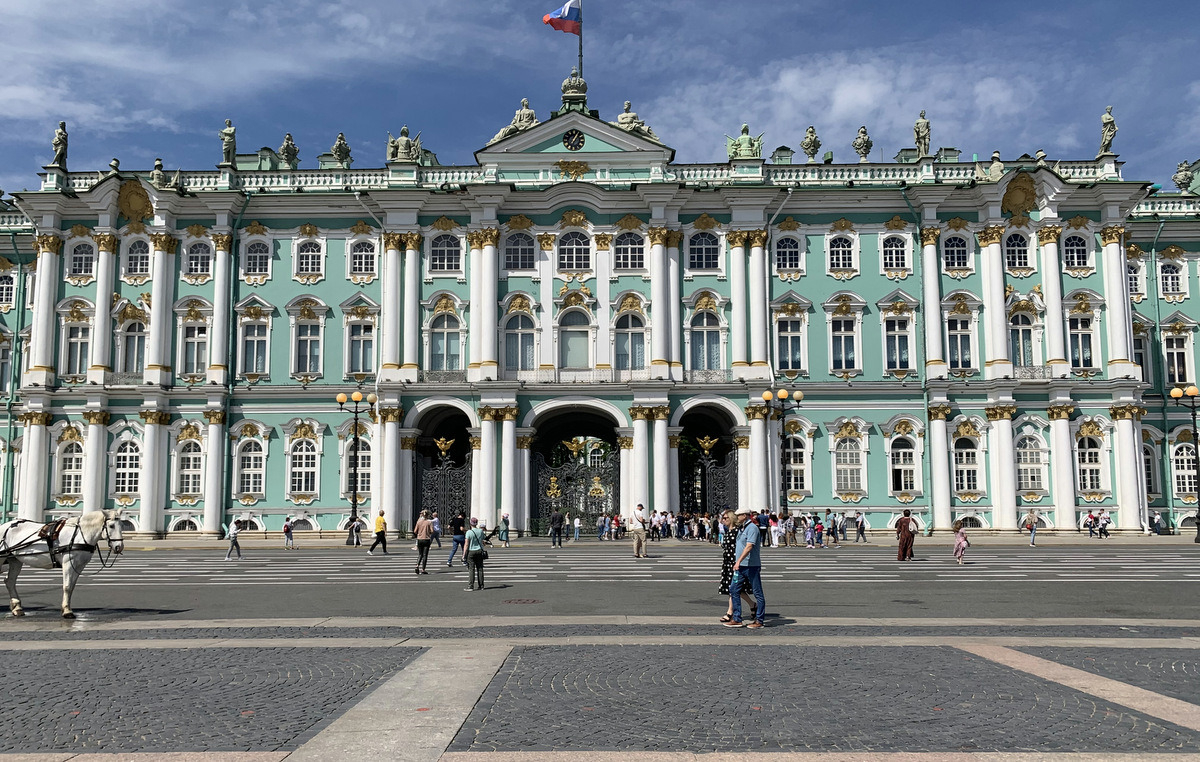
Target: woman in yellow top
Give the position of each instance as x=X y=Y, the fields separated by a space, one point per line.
x=380 y=534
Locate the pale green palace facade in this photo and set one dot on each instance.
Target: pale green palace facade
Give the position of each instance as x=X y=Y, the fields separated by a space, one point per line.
x=578 y=322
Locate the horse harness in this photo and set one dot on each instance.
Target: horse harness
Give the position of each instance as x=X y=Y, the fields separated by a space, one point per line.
x=49 y=534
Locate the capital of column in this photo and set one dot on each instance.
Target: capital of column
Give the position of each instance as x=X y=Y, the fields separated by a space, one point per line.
x=741 y=442
x=488 y=413
x=164 y=242
x=489 y=236
x=603 y=241
x=1000 y=412
x=391 y=414
x=155 y=417
x=506 y=413
x=1049 y=234
x=939 y=412
x=546 y=241
x=757 y=412
x=658 y=236
x=48 y=244
x=625 y=443
x=96 y=417
x=524 y=443
x=930 y=236
x=215 y=416
x=674 y=238
x=661 y=412
x=641 y=413
x=476 y=442
x=222 y=241
x=1127 y=412
x=411 y=241
x=408 y=443
x=1060 y=412
x=36 y=418
x=105 y=242
x=393 y=241
x=737 y=238
x=673 y=441
x=990 y=235
x=757 y=238
x=1112 y=234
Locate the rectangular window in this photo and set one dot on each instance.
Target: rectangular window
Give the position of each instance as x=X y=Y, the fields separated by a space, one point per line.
x=195 y=349
x=1140 y=357
x=1081 y=343
x=308 y=348
x=897 y=344
x=254 y=348
x=630 y=349
x=842 y=335
x=1029 y=470
x=362 y=262
x=904 y=472
x=362 y=348
x=1089 y=470
x=966 y=470
x=629 y=258
x=791 y=345
x=78 y=341
x=958 y=334
x=849 y=475
x=518 y=351
x=5 y=366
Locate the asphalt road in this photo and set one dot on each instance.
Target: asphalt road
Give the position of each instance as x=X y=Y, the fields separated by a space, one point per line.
x=679 y=579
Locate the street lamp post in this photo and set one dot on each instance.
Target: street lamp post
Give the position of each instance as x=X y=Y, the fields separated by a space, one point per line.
x=782 y=401
x=358 y=409
x=1192 y=395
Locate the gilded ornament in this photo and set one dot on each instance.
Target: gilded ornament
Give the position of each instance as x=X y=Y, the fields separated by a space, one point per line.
x=36 y=418
x=674 y=238
x=1060 y=412
x=519 y=303
x=1089 y=429
x=222 y=241
x=575 y=445
x=957 y=223
x=96 y=417
x=306 y=309
x=850 y=497
x=1000 y=412
x=639 y=413
x=896 y=223
x=215 y=416
x=630 y=303
x=843 y=306
x=737 y=238
x=1172 y=252
x=757 y=238
x=252 y=312
x=164 y=242
x=788 y=223
x=597 y=489
x=361 y=228
x=196 y=231
x=412 y=241
x=132 y=201
x=444 y=224
x=135 y=226
x=1020 y=197
x=603 y=241
x=552 y=489
x=1133 y=251
x=69 y=434
x=76 y=312
x=990 y=235
x=189 y=432
x=847 y=431
x=741 y=442
x=474 y=240
x=155 y=417
x=193 y=313
x=1111 y=234
x=546 y=241
x=660 y=412
x=968 y=497
x=902 y=428
x=309 y=230
x=393 y=241
x=255 y=228
x=929 y=236
x=960 y=305
x=841 y=225
x=658 y=236
x=489 y=236
x=707 y=443
x=705 y=222
x=80 y=231
x=574 y=299
x=898 y=307
x=1078 y=221
x=1082 y=305
x=524 y=443
x=939 y=412
x=519 y=222
x=705 y=301
x=673 y=441
x=790 y=309
x=1184 y=436
x=629 y=222
x=966 y=428
x=48 y=244
x=443 y=445
x=303 y=430
x=445 y=303
x=625 y=443
x=1049 y=234
x=572 y=169
x=1178 y=328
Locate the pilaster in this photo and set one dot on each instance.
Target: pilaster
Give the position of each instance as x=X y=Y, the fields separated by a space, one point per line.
x=935 y=356
x=390 y=309
x=997 y=363
x=1062 y=462
x=675 y=341
x=44 y=329
x=939 y=467
x=219 y=356
x=106 y=246
x=215 y=464
x=158 y=363
x=95 y=459
x=412 y=306
x=758 y=305
x=1056 y=352
x=660 y=309
x=1004 y=470
x=737 y=303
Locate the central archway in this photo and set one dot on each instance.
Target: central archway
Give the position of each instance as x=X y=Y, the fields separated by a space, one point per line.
x=574 y=465
x=708 y=475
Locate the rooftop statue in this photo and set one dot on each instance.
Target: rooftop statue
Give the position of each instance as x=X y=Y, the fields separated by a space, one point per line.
x=1183 y=177
x=1108 y=131
x=289 y=152
x=993 y=173
x=811 y=143
x=744 y=146
x=921 y=134
x=862 y=144
x=341 y=150
x=522 y=120
x=228 y=143
x=628 y=120
x=404 y=148
x=574 y=84
x=158 y=178
x=59 y=144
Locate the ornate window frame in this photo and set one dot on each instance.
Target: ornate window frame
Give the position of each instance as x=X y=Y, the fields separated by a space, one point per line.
x=345 y=437
x=248 y=240
x=899 y=306
x=1018 y=269
x=1152 y=446
x=1135 y=275
x=791 y=307
x=1174 y=327
x=360 y=240
x=1184 y=292
x=121 y=338
x=249 y=431
x=845 y=305
x=906 y=239
x=1088 y=265
x=846 y=429
x=534 y=249
x=74 y=312
x=958 y=273
x=1183 y=474
x=705 y=300
x=801 y=431
x=1032 y=306
x=440 y=303
x=1142 y=356
x=1099 y=428
x=843 y=273
x=256 y=311
x=67 y=435
x=83 y=277
x=973 y=428
x=617 y=242
x=1034 y=428
x=296 y=432
x=1088 y=304
x=140 y=278
x=183 y=433
x=360 y=310
x=912 y=430
x=690 y=272
x=962 y=305
x=559 y=266
x=518 y=304
x=630 y=303
x=306 y=310
x=309 y=236
x=125 y=432
x=197 y=266
x=193 y=312
x=791 y=233
x=449 y=272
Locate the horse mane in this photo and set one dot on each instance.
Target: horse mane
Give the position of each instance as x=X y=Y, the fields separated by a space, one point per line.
x=90 y=521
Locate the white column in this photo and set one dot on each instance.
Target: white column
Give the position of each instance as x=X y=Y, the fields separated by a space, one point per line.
x=391 y=307
x=997 y=363
x=412 y=304
x=1056 y=352
x=489 y=360
x=662 y=454
x=676 y=337
x=737 y=302
x=162 y=292
x=214 y=472
x=1127 y=476
x=95 y=459
x=152 y=494
x=1119 y=323
x=391 y=467
x=625 y=446
x=660 y=352
x=106 y=244
x=640 y=488
x=44 y=329
x=545 y=266
x=476 y=315
x=486 y=511
x=35 y=459
x=1062 y=463
x=673 y=434
x=758 y=305
x=476 y=466
x=509 y=467
x=602 y=266
x=760 y=484
x=939 y=467
x=1004 y=469
x=407 y=473
x=935 y=357
x=741 y=441
x=219 y=355
x=520 y=519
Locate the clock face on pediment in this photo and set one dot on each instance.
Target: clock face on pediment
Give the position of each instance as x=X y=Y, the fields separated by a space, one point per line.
x=573 y=140
x=577 y=134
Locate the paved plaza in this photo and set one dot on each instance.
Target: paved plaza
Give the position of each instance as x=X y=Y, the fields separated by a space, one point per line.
x=1070 y=651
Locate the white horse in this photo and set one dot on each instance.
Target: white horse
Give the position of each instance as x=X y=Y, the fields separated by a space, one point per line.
x=77 y=541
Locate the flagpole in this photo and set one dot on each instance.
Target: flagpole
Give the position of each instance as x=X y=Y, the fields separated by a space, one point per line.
x=581 y=39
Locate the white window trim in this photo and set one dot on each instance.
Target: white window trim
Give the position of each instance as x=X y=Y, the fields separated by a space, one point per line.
x=344 y=441
x=294 y=309
x=249 y=498
x=1044 y=455
x=856 y=307
x=197 y=279
x=982 y=461
x=362 y=279
x=309 y=279
x=182 y=323
x=1094 y=313
x=67 y=499
x=685 y=257
x=1148 y=369
x=1032 y=250
x=119 y=340
x=616 y=272
x=427 y=332
x=855 y=255
x=501 y=254
x=593 y=329
x=1155 y=492
x=1089 y=241
x=68 y=250
x=136 y=280
x=897 y=274
x=256 y=279
x=591 y=268
x=1185 y=280
x=958 y=273
x=974 y=309
x=64 y=325
x=1188 y=333
x=640 y=374
x=864 y=448
x=917 y=444
x=1105 y=437
x=690 y=313
x=130 y=432
x=185 y=498
x=802 y=436
x=1138 y=296
x=789 y=273
x=291 y=440
x=1037 y=330
x=243 y=321
x=349 y=319
x=887 y=311
x=805 y=365
x=464 y=252
x=1175 y=444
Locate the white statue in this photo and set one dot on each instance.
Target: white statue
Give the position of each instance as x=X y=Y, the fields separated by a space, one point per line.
x=522 y=120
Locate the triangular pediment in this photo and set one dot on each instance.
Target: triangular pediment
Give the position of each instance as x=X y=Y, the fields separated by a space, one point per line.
x=601 y=142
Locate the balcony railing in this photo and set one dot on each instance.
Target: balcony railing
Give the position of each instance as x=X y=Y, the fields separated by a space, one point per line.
x=444 y=376
x=1032 y=372
x=720 y=376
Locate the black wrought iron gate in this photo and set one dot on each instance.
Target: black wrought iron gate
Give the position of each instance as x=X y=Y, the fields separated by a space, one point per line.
x=708 y=486
x=444 y=487
x=582 y=487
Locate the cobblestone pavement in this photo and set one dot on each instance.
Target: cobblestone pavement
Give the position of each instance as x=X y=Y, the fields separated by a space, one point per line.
x=238 y=699
x=728 y=699
x=1174 y=673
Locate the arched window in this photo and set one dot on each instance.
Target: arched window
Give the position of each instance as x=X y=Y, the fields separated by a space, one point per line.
x=199 y=260
x=1016 y=252
x=6 y=289
x=1172 y=282
x=127 y=467
x=1029 y=465
x=1080 y=329
x=596 y=457
x=303 y=477
x=903 y=466
x=630 y=343
x=847 y=465
x=190 y=469
x=519 y=253
x=574 y=336
x=518 y=343
x=787 y=254
x=791 y=344
x=1184 y=466
x=629 y=252
x=364 y=465
x=70 y=473
x=83 y=260
x=133 y=348
x=445 y=254
x=1133 y=277
x=966 y=465
x=895 y=255
x=258 y=259
x=137 y=259
x=308 y=258
x=251 y=468
x=704 y=252
x=574 y=252
x=1075 y=252
x=444 y=343
x=795 y=464
x=705 y=341
x=1020 y=337
x=1089 y=464
x=362 y=258
x=1150 y=470
x=841 y=253
x=955 y=253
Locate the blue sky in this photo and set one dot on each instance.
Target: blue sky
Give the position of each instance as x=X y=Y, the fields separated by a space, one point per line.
x=139 y=79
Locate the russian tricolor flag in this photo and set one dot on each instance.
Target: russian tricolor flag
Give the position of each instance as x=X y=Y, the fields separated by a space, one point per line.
x=567 y=18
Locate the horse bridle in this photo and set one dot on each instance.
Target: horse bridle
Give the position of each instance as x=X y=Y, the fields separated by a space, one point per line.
x=103 y=558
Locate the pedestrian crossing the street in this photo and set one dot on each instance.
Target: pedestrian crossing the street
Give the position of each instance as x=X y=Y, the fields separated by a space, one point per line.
x=669 y=563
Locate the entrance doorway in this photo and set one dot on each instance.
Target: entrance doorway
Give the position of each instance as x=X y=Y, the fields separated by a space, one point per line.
x=575 y=469
x=708 y=478
x=442 y=478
